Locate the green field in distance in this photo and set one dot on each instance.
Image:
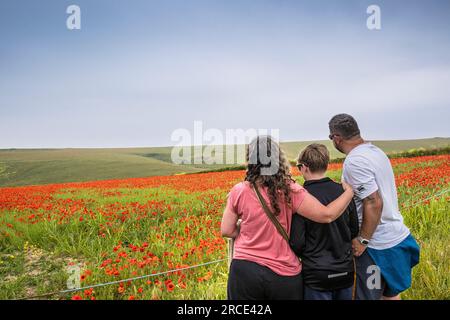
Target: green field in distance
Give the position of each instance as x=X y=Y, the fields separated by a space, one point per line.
x=20 y=167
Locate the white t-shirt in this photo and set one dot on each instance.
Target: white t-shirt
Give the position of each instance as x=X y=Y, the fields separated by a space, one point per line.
x=368 y=169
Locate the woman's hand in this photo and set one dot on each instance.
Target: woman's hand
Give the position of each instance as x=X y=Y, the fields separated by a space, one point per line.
x=314 y=210
x=347 y=187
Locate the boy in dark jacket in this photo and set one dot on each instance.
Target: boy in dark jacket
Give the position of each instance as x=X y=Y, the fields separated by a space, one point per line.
x=326 y=249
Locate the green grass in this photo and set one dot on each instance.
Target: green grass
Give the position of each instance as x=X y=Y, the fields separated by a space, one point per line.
x=80 y=241
x=30 y=167
x=30 y=272
x=19 y=167
x=429 y=224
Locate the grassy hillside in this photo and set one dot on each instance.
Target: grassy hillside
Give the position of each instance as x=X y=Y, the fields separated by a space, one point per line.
x=24 y=167
x=389 y=146
x=43 y=166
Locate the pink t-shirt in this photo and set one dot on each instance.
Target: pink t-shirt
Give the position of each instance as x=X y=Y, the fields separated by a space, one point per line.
x=258 y=240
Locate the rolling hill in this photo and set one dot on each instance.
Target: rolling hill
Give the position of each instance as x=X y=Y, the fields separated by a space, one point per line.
x=20 y=167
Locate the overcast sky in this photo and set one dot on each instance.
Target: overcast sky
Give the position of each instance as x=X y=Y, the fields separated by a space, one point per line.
x=138 y=70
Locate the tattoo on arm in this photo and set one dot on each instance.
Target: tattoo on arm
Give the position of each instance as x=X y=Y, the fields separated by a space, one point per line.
x=372 y=208
x=372 y=198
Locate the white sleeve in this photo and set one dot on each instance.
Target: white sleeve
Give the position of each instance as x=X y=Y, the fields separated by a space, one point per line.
x=359 y=174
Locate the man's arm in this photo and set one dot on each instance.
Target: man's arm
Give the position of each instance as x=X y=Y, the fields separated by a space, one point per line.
x=372 y=207
x=361 y=176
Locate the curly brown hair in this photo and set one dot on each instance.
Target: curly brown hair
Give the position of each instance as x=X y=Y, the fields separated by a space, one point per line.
x=277 y=183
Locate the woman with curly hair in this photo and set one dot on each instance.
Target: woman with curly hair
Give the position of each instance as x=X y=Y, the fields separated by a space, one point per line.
x=264 y=266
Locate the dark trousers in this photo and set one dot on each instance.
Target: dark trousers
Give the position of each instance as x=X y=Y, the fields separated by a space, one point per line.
x=341 y=294
x=250 y=281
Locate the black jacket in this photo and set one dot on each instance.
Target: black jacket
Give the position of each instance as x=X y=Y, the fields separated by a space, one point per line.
x=326 y=249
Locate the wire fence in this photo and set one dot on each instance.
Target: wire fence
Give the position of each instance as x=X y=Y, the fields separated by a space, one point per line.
x=414 y=204
x=230 y=249
x=122 y=281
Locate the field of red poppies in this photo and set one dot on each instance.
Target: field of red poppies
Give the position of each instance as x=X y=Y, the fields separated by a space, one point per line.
x=119 y=229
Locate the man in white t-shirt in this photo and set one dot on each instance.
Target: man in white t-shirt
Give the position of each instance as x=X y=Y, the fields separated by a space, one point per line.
x=385 y=250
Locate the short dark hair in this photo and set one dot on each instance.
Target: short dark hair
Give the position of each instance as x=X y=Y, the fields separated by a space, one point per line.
x=316 y=157
x=344 y=125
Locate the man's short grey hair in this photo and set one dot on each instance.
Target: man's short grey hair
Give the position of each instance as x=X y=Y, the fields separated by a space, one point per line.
x=344 y=125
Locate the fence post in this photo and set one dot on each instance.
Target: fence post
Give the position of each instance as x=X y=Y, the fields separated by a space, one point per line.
x=230 y=251
x=231 y=244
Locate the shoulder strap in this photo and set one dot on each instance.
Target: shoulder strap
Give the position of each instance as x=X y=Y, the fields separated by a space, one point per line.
x=270 y=214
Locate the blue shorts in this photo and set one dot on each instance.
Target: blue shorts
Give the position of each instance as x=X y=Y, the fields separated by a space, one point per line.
x=396 y=263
